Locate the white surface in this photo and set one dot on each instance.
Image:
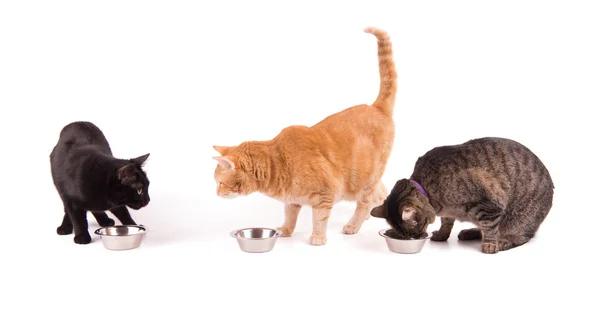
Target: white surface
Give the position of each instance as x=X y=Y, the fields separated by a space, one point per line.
x=174 y=78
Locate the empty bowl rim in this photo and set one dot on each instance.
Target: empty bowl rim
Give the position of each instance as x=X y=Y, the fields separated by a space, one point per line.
x=381 y=233
x=142 y=230
x=233 y=233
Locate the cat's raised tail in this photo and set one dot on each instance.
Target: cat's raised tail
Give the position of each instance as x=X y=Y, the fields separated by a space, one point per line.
x=387 y=72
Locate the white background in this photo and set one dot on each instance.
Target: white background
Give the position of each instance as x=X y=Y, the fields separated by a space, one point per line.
x=174 y=78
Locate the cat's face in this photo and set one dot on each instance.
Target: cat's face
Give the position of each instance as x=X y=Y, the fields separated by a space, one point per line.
x=406 y=210
x=133 y=184
x=231 y=179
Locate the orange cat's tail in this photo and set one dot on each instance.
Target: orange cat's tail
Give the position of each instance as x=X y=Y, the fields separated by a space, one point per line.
x=387 y=72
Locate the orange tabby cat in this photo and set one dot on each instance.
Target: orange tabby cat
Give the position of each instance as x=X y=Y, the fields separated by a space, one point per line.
x=340 y=158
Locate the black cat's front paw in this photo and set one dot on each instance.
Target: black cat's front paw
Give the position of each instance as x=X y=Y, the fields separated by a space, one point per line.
x=64 y=230
x=128 y=222
x=107 y=222
x=440 y=236
x=82 y=239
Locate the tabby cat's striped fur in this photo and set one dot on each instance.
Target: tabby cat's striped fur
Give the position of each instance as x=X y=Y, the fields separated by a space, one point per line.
x=496 y=183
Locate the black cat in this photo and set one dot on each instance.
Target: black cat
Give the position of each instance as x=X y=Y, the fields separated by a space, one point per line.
x=88 y=178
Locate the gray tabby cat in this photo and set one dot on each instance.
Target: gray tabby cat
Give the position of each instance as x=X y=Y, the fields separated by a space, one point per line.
x=496 y=183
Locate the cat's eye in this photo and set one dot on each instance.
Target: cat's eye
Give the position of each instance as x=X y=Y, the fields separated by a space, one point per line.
x=139 y=191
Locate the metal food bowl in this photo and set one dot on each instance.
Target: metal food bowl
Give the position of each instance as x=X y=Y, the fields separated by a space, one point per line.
x=405 y=246
x=256 y=240
x=121 y=237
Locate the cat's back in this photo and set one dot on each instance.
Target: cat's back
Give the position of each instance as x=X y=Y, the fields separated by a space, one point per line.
x=77 y=141
x=496 y=155
x=501 y=152
x=83 y=133
x=358 y=119
x=80 y=134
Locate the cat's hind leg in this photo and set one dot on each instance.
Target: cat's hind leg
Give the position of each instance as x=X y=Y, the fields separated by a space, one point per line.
x=380 y=197
x=520 y=229
x=103 y=219
x=80 y=225
x=320 y=213
x=66 y=227
x=470 y=234
x=507 y=242
x=291 y=217
x=367 y=199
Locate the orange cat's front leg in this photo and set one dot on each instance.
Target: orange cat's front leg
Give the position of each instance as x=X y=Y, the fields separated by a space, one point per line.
x=320 y=214
x=369 y=198
x=291 y=217
x=360 y=215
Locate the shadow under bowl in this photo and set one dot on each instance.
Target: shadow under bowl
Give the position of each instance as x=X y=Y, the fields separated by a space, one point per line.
x=256 y=239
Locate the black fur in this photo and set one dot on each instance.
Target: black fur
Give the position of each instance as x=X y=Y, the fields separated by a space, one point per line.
x=88 y=178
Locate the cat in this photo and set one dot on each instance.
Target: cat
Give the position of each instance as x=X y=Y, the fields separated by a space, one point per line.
x=342 y=157
x=88 y=178
x=496 y=183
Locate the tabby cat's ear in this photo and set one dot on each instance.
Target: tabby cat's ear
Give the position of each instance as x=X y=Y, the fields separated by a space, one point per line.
x=408 y=213
x=221 y=149
x=141 y=159
x=378 y=212
x=127 y=174
x=226 y=162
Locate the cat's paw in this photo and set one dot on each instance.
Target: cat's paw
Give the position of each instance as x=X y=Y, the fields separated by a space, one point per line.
x=317 y=240
x=285 y=231
x=489 y=248
x=350 y=229
x=64 y=230
x=108 y=222
x=82 y=239
x=470 y=234
x=439 y=236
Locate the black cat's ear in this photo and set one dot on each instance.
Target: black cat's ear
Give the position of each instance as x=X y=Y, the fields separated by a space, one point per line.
x=141 y=159
x=127 y=174
x=378 y=212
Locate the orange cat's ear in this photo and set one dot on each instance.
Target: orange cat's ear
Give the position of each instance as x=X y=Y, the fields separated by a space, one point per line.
x=221 y=149
x=408 y=213
x=225 y=162
x=378 y=212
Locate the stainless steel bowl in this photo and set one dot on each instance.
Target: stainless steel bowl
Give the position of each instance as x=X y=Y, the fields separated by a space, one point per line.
x=406 y=246
x=121 y=237
x=257 y=239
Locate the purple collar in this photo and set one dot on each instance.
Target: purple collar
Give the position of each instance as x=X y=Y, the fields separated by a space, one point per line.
x=419 y=187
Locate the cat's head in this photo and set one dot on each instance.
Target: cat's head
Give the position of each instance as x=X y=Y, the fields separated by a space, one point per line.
x=240 y=169
x=132 y=184
x=406 y=210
